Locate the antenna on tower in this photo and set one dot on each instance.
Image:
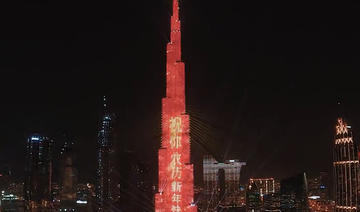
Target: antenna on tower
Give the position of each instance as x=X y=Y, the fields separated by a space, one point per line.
x=340 y=108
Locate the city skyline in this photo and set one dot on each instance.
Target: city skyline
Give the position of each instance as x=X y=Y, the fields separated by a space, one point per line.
x=254 y=97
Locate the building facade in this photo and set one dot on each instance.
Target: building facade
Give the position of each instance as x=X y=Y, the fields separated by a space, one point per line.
x=265 y=185
x=69 y=184
x=38 y=172
x=318 y=186
x=222 y=183
x=176 y=177
x=253 y=198
x=346 y=168
x=105 y=139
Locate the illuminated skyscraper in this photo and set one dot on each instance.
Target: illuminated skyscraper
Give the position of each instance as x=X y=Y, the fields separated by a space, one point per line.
x=346 y=168
x=38 y=171
x=103 y=190
x=176 y=180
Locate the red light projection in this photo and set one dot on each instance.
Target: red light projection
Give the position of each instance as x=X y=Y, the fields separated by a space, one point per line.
x=176 y=179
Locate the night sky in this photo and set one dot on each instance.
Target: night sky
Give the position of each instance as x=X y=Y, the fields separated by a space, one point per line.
x=263 y=79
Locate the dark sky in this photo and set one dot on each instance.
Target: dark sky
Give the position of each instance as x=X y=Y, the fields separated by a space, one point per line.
x=263 y=79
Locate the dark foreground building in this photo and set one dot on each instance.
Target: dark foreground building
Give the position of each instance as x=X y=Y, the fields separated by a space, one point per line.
x=294 y=193
x=253 y=198
x=38 y=172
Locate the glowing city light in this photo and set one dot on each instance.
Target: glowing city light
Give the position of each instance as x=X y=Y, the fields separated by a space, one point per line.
x=35 y=138
x=81 y=201
x=314 y=197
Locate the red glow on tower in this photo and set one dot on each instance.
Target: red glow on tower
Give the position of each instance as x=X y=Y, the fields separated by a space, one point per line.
x=176 y=180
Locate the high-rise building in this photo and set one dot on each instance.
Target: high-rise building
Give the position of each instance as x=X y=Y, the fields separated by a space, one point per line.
x=38 y=171
x=221 y=183
x=265 y=185
x=176 y=177
x=105 y=138
x=346 y=168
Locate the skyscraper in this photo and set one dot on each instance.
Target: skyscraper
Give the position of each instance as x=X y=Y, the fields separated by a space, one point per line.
x=103 y=190
x=346 y=168
x=176 y=180
x=38 y=171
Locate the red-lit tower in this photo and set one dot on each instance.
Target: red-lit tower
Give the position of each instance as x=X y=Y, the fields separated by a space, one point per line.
x=176 y=180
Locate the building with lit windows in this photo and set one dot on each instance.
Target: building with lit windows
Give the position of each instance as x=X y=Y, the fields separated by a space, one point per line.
x=105 y=138
x=253 y=198
x=38 y=172
x=265 y=185
x=11 y=203
x=271 y=202
x=346 y=168
x=222 y=183
x=84 y=197
x=318 y=186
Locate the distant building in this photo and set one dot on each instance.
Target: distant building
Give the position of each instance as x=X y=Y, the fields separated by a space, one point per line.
x=265 y=185
x=84 y=197
x=294 y=193
x=346 y=169
x=242 y=195
x=38 y=172
x=11 y=203
x=104 y=166
x=221 y=183
x=318 y=205
x=253 y=198
x=55 y=193
x=288 y=202
x=271 y=202
x=69 y=184
x=318 y=186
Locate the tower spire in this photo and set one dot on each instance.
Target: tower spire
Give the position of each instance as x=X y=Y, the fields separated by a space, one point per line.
x=104 y=104
x=175 y=9
x=340 y=109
